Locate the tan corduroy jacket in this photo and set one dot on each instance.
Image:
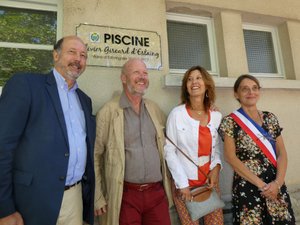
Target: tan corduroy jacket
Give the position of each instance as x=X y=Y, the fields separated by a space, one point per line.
x=110 y=157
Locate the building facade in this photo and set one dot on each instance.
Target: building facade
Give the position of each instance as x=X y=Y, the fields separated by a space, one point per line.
x=259 y=37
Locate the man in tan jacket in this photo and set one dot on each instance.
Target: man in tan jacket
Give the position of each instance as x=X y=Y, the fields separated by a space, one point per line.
x=132 y=186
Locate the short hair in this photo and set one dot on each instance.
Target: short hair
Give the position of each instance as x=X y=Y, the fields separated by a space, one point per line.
x=127 y=64
x=210 y=95
x=243 y=77
x=57 y=46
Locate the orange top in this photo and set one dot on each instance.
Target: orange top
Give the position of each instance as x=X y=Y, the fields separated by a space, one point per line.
x=204 y=149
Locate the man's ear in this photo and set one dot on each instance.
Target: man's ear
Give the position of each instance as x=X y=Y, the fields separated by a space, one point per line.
x=55 y=55
x=123 y=78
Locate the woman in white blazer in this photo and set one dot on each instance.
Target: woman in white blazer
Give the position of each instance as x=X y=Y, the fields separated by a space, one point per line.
x=192 y=126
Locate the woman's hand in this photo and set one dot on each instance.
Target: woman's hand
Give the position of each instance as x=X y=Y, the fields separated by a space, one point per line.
x=185 y=194
x=271 y=190
x=213 y=177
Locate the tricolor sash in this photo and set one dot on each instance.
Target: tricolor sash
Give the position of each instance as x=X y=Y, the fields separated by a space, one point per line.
x=260 y=136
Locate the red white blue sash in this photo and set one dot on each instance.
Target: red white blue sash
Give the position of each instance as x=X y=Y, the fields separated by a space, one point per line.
x=261 y=137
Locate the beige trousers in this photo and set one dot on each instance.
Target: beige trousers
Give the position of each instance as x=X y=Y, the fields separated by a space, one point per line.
x=71 y=208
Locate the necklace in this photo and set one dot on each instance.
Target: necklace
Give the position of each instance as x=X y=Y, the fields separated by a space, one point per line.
x=266 y=135
x=198 y=112
x=260 y=117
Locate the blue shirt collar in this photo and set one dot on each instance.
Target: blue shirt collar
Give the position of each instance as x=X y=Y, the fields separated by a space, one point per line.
x=61 y=81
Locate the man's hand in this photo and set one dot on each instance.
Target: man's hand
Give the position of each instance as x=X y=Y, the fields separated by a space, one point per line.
x=13 y=219
x=99 y=212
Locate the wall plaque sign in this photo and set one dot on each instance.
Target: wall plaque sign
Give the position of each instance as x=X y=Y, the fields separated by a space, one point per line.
x=112 y=46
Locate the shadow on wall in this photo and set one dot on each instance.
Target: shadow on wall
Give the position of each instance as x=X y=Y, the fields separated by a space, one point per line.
x=226 y=177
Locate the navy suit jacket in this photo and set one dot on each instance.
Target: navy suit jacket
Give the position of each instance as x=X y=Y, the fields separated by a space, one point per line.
x=34 y=150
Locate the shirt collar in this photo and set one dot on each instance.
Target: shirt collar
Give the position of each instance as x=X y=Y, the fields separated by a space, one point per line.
x=61 y=81
x=124 y=101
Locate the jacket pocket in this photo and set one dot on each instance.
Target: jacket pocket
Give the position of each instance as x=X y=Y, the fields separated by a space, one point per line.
x=21 y=177
x=183 y=133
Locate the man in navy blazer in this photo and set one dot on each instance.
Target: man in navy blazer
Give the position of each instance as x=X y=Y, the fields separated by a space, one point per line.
x=47 y=133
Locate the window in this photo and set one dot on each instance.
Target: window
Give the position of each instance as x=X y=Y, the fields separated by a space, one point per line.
x=30 y=30
x=191 y=42
x=263 y=52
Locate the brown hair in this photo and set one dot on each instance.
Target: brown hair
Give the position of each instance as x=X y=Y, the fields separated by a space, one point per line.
x=210 y=94
x=243 y=77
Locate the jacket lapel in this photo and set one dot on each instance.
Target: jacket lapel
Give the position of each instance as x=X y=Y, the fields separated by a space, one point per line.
x=53 y=93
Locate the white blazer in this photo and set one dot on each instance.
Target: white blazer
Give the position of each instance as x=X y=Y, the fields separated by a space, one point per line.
x=183 y=130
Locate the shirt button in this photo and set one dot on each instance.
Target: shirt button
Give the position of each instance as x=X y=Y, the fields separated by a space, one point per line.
x=62 y=178
x=67 y=154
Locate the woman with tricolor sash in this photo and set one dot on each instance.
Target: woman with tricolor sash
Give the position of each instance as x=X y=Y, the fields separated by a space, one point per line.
x=254 y=147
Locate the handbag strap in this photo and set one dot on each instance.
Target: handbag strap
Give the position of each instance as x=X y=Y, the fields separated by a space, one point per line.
x=182 y=152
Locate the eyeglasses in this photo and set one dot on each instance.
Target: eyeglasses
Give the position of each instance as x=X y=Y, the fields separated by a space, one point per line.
x=269 y=138
x=246 y=90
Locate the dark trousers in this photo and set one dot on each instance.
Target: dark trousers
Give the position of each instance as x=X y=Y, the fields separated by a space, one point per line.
x=145 y=207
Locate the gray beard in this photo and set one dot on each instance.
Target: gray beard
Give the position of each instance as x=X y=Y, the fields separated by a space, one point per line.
x=73 y=76
x=133 y=92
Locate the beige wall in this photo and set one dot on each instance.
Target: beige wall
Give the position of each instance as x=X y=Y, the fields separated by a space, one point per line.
x=282 y=97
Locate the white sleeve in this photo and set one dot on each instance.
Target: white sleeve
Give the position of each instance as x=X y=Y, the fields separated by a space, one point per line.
x=218 y=145
x=170 y=153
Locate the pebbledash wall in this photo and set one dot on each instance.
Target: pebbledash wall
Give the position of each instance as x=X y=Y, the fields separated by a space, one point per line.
x=280 y=96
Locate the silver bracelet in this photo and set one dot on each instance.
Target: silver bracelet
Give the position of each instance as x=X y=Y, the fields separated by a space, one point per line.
x=276 y=182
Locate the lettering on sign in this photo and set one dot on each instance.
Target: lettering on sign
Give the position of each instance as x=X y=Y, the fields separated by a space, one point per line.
x=112 y=46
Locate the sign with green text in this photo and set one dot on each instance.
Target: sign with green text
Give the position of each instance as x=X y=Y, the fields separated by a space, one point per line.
x=112 y=46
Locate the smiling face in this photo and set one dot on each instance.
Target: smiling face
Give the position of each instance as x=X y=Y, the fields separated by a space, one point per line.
x=198 y=82
x=135 y=77
x=70 y=59
x=248 y=92
x=195 y=84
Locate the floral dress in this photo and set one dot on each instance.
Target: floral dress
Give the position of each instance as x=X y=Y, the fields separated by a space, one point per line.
x=249 y=207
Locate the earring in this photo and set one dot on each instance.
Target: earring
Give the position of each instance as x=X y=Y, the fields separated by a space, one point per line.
x=206 y=95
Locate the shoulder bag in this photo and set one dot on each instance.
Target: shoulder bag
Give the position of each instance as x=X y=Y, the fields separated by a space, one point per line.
x=204 y=200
